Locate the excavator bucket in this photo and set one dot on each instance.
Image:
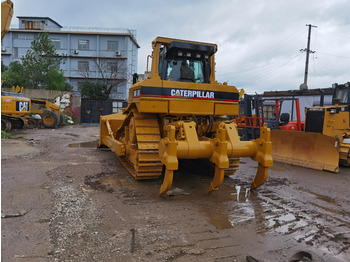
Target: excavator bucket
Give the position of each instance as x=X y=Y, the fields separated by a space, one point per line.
x=311 y=150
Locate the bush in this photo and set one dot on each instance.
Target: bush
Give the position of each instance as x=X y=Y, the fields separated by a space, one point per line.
x=5 y=135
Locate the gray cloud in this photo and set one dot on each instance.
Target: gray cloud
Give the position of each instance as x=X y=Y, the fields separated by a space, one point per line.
x=259 y=41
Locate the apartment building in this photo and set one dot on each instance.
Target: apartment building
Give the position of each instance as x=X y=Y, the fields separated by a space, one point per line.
x=90 y=54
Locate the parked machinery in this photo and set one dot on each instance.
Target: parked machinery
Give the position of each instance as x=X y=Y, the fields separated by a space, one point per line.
x=325 y=143
x=249 y=124
x=179 y=112
x=17 y=111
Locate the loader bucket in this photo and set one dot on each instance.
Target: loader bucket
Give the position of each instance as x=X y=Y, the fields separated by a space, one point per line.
x=306 y=149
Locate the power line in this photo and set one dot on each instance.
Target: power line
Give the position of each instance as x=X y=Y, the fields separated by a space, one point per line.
x=271 y=73
x=268 y=50
x=344 y=57
x=254 y=68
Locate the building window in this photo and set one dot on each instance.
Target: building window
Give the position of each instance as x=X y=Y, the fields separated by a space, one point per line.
x=15 y=52
x=112 y=45
x=112 y=66
x=39 y=25
x=83 y=44
x=56 y=43
x=83 y=66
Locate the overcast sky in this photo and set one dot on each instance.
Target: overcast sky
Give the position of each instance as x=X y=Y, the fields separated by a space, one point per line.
x=259 y=41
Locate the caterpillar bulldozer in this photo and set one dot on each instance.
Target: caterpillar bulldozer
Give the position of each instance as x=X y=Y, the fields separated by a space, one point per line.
x=325 y=141
x=179 y=112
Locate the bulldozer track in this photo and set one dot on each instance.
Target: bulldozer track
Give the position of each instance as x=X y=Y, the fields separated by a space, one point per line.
x=142 y=161
x=344 y=154
x=233 y=166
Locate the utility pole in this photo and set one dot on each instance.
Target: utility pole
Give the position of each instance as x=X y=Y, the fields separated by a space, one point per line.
x=303 y=86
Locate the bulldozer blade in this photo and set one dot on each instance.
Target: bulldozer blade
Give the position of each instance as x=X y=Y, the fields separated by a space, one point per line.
x=306 y=149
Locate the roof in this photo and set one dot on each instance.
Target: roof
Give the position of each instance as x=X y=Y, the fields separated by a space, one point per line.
x=308 y=92
x=40 y=17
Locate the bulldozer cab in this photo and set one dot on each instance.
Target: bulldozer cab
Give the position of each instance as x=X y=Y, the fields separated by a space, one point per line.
x=341 y=94
x=185 y=62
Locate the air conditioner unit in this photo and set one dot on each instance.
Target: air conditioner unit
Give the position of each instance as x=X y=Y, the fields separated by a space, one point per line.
x=76 y=52
x=117 y=53
x=3 y=49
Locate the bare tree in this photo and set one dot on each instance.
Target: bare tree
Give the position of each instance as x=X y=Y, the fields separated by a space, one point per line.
x=110 y=73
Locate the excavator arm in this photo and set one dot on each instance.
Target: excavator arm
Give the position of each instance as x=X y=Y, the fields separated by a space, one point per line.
x=6 y=17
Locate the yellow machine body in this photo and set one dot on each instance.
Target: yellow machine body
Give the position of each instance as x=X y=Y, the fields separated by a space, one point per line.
x=16 y=111
x=325 y=143
x=6 y=17
x=177 y=117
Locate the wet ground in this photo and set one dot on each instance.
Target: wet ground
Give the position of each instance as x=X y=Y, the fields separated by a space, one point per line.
x=83 y=206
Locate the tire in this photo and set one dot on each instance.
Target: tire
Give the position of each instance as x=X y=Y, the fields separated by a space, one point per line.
x=49 y=119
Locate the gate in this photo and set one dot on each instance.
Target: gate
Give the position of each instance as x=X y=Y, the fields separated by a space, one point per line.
x=91 y=110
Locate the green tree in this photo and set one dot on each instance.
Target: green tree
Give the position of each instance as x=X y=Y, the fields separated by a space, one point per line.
x=39 y=60
x=57 y=80
x=38 y=69
x=14 y=75
x=93 y=91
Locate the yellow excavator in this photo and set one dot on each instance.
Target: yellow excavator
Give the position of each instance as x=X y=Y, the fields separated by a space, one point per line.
x=325 y=142
x=179 y=112
x=18 y=111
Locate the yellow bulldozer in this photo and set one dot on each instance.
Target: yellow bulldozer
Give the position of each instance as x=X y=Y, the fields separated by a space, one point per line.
x=325 y=141
x=179 y=112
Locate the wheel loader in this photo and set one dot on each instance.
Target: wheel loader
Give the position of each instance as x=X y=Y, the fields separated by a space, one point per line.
x=179 y=112
x=325 y=142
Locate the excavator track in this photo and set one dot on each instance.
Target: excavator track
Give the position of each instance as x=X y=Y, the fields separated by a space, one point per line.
x=142 y=140
x=9 y=122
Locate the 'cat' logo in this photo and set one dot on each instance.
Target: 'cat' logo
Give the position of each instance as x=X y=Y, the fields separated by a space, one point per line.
x=22 y=106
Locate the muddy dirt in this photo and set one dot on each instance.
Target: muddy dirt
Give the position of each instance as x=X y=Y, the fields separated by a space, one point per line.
x=83 y=206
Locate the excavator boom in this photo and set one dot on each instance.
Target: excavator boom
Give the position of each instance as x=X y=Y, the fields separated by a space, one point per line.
x=6 y=17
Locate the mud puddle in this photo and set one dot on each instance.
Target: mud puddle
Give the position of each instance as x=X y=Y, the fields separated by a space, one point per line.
x=91 y=144
x=275 y=209
x=112 y=183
